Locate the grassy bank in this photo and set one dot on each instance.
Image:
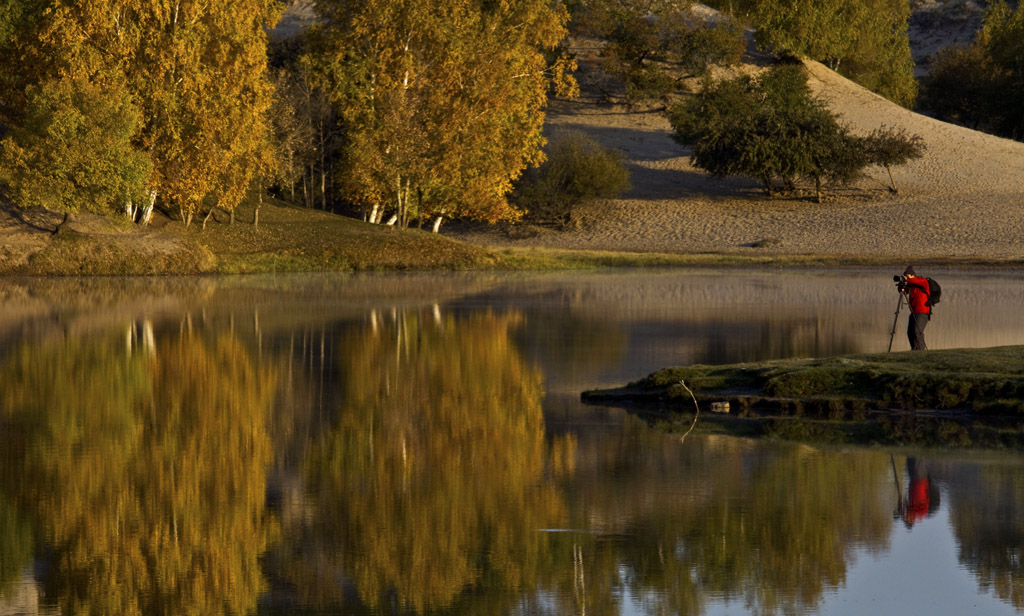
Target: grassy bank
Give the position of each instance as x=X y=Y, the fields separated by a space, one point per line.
x=293 y=239
x=950 y=397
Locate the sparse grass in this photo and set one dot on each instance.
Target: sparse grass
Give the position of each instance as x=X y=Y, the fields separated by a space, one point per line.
x=552 y=259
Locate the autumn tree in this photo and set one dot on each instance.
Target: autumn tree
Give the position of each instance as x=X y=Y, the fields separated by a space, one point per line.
x=195 y=72
x=442 y=106
x=304 y=125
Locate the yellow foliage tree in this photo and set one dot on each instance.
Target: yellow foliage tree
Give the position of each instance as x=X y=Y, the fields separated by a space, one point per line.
x=442 y=103
x=195 y=70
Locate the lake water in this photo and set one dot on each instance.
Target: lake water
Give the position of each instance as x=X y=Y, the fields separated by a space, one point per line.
x=412 y=444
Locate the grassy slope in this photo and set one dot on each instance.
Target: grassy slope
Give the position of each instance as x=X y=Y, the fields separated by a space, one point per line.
x=296 y=239
x=288 y=239
x=293 y=239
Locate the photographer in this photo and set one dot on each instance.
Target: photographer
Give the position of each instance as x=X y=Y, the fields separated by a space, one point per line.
x=917 y=291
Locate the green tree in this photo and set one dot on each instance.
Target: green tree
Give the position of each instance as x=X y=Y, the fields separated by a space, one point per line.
x=1003 y=34
x=577 y=170
x=74 y=149
x=442 y=105
x=889 y=147
x=959 y=83
x=867 y=41
x=766 y=128
x=653 y=45
x=982 y=85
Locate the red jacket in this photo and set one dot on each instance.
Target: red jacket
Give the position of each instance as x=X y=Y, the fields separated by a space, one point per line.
x=917 y=290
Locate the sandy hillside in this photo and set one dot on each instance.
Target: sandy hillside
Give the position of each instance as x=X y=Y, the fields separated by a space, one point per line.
x=964 y=198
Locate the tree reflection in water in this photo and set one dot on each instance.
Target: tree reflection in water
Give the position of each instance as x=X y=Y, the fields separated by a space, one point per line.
x=985 y=511
x=411 y=471
x=145 y=473
x=436 y=477
x=721 y=518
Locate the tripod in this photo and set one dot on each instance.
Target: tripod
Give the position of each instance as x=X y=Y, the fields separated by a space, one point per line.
x=892 y=334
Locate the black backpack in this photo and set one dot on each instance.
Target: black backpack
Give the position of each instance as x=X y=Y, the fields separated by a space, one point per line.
x=934 y=292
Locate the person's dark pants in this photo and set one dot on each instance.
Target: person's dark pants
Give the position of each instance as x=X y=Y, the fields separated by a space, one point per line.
x=915 y=330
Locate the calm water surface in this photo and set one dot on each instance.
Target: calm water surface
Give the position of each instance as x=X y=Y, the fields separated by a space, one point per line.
x=413 y=444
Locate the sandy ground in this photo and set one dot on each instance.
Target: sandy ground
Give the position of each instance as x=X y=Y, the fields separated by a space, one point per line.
x=963 y=199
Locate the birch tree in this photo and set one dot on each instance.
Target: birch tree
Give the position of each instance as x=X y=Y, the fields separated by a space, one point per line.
x=442 y=102
x=195 y=70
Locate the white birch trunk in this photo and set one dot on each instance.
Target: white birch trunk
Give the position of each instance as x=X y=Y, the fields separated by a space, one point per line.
x=391 y=221
x=147 y=211
x=373 y=214
x=398 y=196
x=437 y=224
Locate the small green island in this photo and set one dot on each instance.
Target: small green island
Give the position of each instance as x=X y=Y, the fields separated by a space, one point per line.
x=951 y=398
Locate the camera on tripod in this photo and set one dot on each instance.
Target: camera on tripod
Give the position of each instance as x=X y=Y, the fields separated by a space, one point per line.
x=901 y=283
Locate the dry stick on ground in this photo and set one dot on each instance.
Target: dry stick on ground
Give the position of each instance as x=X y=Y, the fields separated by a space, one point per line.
x=696 y=415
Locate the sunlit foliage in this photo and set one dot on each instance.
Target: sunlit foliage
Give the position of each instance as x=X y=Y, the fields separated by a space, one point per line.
x=867 y=41
x=195 y=71
x=74 y=150
x=442 y=104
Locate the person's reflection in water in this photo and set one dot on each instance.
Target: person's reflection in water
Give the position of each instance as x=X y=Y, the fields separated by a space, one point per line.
x=922 y=494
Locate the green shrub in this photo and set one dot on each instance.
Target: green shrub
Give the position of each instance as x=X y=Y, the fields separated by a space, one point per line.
x=578 y=169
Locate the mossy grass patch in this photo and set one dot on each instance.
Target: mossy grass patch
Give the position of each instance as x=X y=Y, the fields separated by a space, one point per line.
x=952 y=397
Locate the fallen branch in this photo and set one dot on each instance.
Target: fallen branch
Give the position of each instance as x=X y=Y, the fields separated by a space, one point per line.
x=696 y=415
